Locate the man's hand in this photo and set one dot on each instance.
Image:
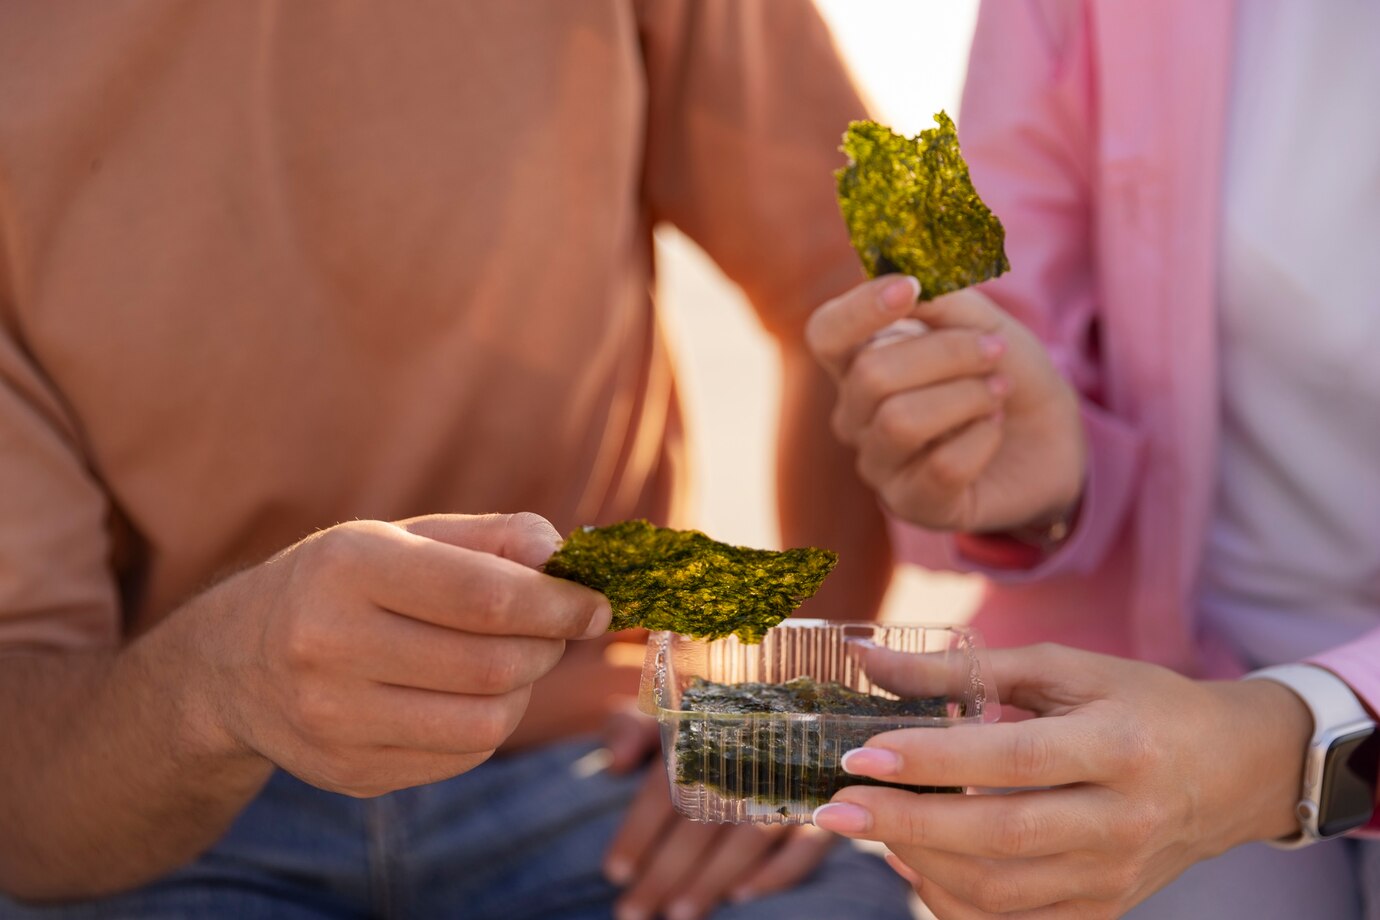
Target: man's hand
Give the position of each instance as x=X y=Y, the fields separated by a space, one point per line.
x=966 y=426
x=1132 y=774
x=375 y=656
x=682 y=870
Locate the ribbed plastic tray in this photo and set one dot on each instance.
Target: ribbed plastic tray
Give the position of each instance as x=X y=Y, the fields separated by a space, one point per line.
x=776 y=768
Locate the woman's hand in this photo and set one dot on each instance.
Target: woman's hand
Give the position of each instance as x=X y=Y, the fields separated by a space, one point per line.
x=966 y=426
x=1137 y=771
x=682 y=870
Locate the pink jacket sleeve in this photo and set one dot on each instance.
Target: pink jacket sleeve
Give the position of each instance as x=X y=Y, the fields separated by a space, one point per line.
x=1026 y=131
x=1357 y=663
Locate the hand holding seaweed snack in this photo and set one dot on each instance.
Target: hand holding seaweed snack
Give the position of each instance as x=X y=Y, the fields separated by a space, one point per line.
x=967 y=426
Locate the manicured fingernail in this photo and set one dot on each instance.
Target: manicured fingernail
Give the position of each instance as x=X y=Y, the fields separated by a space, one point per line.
x=599 y=623
x=682 y=910
x=842 y=818
x=991 y=346
x=741 y=895
x=999 y=385
x=898 y=295
x=618 y=871
x=866 y=761
x=623 y=912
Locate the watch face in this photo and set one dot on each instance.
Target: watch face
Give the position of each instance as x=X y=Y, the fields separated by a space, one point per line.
x=1348 y=783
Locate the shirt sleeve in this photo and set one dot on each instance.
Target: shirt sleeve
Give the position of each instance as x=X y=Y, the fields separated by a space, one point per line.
x=57 y=588
x=1358 y=663
x=748 y=102
x=1026 y=132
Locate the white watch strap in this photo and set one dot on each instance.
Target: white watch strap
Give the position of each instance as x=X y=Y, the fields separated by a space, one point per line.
x=1336 y=710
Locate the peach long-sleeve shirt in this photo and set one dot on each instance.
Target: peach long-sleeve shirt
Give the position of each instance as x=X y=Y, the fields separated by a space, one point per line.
x=266 y=267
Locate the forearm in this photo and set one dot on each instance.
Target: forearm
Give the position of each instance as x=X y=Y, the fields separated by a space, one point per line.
x=820 y=499
x=112 y=773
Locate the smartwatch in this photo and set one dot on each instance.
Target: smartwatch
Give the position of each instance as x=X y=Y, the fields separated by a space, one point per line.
x=1339 y=767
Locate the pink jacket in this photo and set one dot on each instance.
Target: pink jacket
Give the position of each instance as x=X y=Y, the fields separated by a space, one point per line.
x=1096 y=130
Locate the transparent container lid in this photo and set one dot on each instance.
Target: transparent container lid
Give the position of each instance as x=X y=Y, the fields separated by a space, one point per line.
x=815 y=690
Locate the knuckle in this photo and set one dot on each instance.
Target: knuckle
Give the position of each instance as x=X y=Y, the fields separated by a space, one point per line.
x=495 y=599
x=897 y=498
x=816 y=331
x=946 y=470
x=869 y=375
x=1017 y=832
x=341 y=549
x=1121 y=878
x=341 y=773
x=915 y=827
x=1138 y=824
x=893 y=422
x=303 y=643
x=499 y=673
x=1131 y=751
x=491 y=725
x=971 y=353
x=979 y=397
x=531 y=526
x=995 y=894
x=1032 y=756
x=1050 y=655
x=315 y=712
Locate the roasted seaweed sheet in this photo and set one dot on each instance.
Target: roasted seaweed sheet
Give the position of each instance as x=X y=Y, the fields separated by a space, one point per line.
x=911 y=208
x=685 y=582
x=777 y=760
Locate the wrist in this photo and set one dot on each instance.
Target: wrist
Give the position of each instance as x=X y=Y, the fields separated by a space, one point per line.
x=1272 y=728
x=185 y=653
x=1339 y=764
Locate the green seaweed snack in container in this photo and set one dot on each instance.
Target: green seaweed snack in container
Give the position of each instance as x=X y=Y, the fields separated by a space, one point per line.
x=757 y=758
x=755 y=733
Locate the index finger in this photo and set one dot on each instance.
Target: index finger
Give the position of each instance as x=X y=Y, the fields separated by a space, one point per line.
x=476 y=591
x=840 y=327
x=966 y=308
x=1054 y=751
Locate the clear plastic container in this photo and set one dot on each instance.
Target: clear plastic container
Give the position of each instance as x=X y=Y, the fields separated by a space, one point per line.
x=777 y=767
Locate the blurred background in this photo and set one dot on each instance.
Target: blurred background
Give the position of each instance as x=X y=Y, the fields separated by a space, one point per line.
x=909 y=57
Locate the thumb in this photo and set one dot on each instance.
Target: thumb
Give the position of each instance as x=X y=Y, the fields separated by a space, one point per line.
x=840 y=327
x=1051 y=679
x=525 y=538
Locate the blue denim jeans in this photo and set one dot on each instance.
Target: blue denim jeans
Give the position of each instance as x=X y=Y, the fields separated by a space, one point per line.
x=520 y=838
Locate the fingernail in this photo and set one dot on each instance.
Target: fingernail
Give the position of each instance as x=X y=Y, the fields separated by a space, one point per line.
x=599 y=623
x=999 y=385
x=618 y=871
x=866 y=761
x=991 y=346
x=630 y=913
x=898 y=295
x=741 y=895
x=682 y=910
x=842 y=818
